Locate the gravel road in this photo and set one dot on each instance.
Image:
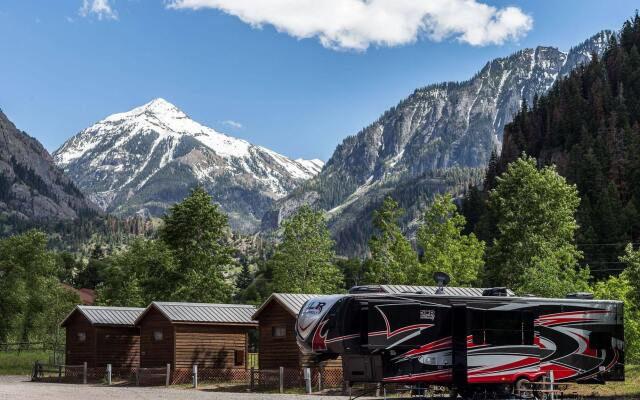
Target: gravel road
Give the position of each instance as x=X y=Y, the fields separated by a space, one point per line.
x=20 y=388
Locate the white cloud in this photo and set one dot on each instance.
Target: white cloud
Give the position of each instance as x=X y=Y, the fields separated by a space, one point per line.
x=233 y=124
x=102 y=9
x=357 y=24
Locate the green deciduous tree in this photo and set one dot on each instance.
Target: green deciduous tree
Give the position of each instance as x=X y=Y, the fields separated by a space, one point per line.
x=32 y=301
x=535 y=251
x=303 y=261
x=143 y=273
x=631 y=259
x=625 y=288
x=393 y=260
x=445 y=247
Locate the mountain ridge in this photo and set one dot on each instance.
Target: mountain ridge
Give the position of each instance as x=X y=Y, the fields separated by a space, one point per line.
x=439 y=127
x=32 y=187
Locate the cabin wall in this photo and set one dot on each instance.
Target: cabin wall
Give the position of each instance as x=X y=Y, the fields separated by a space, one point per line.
x=275 y=352
x=77 y=352
x=118 y=346
x=210 y=346
x=154 y=352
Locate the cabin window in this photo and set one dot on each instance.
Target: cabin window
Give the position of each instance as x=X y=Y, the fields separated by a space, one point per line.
x=279 y=331
x=599 y=340
x=82 y=337
x=238 y=357
x=157 y=335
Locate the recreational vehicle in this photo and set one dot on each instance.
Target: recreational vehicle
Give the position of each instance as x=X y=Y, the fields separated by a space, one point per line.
x=491 y=341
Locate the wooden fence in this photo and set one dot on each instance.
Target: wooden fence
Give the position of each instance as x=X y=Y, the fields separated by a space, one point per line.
x=252 y=379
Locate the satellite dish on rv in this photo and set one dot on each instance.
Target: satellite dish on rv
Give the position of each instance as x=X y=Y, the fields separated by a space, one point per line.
x=442 y=280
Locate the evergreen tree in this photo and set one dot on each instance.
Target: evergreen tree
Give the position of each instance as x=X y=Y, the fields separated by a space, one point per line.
x=445 y=247
x=92 y=274
x=303 y=261
x=393 y=260
x=588 y=125
x=353 y=271
x=197 y=233
x=244 y=278
x=535 y=250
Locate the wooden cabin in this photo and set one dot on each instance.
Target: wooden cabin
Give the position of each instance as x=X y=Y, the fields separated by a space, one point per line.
x=102 y=335
x=184 y=334
x=277 y=336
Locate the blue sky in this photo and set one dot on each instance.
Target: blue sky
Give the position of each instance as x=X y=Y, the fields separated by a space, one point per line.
x=64 y=67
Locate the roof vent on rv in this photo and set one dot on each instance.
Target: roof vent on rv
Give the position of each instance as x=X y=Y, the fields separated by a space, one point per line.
x=580 y=295
x=495 y=291
x=366 y=289
x=442 y=280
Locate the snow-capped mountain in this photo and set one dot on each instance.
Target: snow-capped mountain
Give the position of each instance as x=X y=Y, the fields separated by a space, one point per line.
x=148 y=158
x=439 y=136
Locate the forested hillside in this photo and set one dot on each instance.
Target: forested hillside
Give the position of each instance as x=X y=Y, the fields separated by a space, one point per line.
x=588 y=126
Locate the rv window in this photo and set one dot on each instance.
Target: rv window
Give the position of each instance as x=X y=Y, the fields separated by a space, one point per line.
x=600 y=340
x=527 y=328
x=503 y=320
x=504 y=328
x=500 y=337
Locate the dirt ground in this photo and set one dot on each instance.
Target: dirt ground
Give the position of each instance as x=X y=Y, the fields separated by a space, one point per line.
x=20 y=388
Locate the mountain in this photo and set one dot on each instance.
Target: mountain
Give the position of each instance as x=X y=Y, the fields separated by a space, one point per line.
x=439 y=138
x=32 y=187
x=146 y=159
x=588 y=126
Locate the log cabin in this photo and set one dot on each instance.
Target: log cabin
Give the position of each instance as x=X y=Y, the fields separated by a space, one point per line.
x=101 y=336
x=277 y=336
x=184 y=334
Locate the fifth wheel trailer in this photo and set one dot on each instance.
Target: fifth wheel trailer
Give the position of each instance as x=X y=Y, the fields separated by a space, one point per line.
x=469 y=344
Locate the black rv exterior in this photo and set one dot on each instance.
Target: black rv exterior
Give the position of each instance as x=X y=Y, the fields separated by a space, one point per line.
x=465 y=342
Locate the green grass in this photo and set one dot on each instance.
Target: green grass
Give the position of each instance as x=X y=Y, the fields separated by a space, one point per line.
x=630 y=388
x=20 y=363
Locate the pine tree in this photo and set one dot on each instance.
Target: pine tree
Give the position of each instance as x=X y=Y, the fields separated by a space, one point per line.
x=244 y=278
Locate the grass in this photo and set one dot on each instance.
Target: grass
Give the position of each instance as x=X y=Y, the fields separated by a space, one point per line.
x=630 y=388
x=20 y=363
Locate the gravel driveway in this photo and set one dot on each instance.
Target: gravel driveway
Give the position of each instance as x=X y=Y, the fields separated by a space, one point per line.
x=20 y=388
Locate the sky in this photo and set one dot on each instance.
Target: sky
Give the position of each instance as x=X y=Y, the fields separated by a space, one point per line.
x=296 y=76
